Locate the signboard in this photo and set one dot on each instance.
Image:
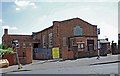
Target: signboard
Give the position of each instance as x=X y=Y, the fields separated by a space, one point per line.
x=55 y=52
x=98 y=31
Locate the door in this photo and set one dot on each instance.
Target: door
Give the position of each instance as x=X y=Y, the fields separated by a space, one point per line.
x=90 y=46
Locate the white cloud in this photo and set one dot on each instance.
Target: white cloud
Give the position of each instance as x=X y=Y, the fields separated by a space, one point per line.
x=32 y=4
x=22 y=4
x=1 y=20
x=17 y=8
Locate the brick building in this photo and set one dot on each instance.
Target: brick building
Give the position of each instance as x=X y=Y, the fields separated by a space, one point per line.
x=24 y=48
x=74 y=37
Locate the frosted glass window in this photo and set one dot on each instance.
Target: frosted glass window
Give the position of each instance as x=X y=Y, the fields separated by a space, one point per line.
x=77 y=30
x=44 y=45
x=50 y=40
x=64 y=41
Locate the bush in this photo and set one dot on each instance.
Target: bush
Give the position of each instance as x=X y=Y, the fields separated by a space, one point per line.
x=6 y=51
x=9 y=51
x=3 y=46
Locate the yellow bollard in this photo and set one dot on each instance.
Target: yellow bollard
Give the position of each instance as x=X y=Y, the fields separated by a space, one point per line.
x=20 y=66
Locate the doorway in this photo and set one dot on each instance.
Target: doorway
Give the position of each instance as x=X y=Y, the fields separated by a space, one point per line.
x=90 y=46
x=35 y=45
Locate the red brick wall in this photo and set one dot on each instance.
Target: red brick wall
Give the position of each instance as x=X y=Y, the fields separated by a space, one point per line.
x=27 y=39
x=27 y=57
x=67 y=54
x=65 y=29
x=46 y=33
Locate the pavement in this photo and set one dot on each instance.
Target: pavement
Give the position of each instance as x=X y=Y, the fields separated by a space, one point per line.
x=54 y=64
x=84 y=61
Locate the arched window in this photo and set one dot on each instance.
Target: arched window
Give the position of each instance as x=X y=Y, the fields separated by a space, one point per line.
x=77 y=30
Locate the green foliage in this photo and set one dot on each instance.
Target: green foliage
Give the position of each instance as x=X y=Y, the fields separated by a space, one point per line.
x=3 y=46
x=6 y=51
x=10 y=49
x=0 y=46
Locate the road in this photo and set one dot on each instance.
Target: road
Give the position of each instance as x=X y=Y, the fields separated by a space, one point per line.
x=79 y=66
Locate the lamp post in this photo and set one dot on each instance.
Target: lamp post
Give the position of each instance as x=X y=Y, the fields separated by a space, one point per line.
x=98 y=41
x=16 y=45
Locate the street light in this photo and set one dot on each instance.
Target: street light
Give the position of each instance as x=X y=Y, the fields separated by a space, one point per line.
x=15 y=44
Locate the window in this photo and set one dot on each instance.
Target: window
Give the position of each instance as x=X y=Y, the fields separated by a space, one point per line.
x=30 y=44
x=24 y=45
x=81 y=46
x=50 y=40
x=77 y=30
x=43 y=38
x=64 y=41
x=78 y=46
x=73 y=43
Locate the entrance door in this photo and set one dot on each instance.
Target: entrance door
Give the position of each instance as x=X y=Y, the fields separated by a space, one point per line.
x=90 y=46
x=35 y=45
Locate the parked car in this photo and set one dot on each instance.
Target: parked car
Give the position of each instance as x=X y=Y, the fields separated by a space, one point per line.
x=4 y=63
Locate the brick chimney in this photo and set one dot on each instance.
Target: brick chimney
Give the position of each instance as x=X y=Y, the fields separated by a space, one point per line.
x=6 y=31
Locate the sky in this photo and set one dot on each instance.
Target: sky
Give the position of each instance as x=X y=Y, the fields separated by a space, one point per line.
x=27 y=16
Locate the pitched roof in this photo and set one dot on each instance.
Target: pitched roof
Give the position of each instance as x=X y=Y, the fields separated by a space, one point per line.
x=75 y=19
x=45 y=29
x=64 y=21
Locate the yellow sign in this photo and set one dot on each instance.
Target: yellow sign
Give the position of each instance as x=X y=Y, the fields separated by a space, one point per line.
x=55 y=52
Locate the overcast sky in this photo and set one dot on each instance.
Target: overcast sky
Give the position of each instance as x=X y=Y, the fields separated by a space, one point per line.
x=27 y=16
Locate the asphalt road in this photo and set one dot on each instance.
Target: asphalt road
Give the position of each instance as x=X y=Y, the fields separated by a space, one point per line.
x=79 y=66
